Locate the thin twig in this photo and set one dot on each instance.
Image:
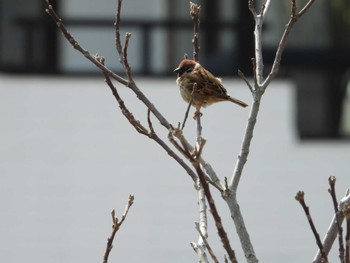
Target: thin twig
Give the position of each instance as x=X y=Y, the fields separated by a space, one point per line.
x=241 y=74
x=266 y=8
x=116 y=226
x=199 y=129
x=122 y=52
x=300 y=198
x=212 y=177
x=283 y=42
x=305 y=8
x=189 y=106
x=194 y=12
x=251 y=7
x=331 y=190
x=118 y=45
x=125 y=56
x=130 y=117
x=58 y=21
x=150 y=124
x=210 y=250
x=186 y=113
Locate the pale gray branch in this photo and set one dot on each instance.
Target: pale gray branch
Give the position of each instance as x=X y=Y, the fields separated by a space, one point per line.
x=202 y=225
x=260 y=85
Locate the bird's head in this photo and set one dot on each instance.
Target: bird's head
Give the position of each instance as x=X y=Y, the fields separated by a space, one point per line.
x=186 y=66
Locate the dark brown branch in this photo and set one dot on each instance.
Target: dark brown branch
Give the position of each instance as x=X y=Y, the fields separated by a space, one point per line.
x=194 y=12
x=118 y=45
x=125 y=55
x=142 y=130
x=241 y=74
x=79 y=48
x=115 y=227
x=218 y=223
x=123 y=52
x=331 y=190
x=185 y=147
x=300 y=198
x=129 y=116
x=132 y=85
x=194 y=158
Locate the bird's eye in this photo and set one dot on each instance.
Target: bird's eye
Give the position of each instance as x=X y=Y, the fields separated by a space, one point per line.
x=189 y=70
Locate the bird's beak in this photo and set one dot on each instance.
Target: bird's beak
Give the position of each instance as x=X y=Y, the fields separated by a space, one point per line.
x=177 y=70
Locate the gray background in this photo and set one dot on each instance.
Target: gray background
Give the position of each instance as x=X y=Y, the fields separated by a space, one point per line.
x=68 y=156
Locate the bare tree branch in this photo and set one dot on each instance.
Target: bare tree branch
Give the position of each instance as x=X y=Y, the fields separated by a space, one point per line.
x=218 y=223
x=257 y=90
x=194 y=158
x=122 y=52
x=150 y=134
x=115 y=227
x=283 y=42
x=241 y=74
x=300 y=198
x=204 y=238
x=202 y=226
x=332 y=231
x=194 y=12
x=49 y=9
x=331 y=191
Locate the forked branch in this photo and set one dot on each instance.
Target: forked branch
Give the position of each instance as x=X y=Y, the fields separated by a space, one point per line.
x=116 y=226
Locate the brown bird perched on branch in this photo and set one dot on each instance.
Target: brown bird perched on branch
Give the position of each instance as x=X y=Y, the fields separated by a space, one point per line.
x=204 y=88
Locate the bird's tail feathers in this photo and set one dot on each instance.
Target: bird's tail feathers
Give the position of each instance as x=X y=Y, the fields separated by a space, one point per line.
x=238 y=102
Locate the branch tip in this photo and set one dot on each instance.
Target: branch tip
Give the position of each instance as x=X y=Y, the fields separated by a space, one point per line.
x=299 y=196
x=332 y=180
x=194 y=9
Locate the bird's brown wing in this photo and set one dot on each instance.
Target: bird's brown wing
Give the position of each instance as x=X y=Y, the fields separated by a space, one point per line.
x=210 y=86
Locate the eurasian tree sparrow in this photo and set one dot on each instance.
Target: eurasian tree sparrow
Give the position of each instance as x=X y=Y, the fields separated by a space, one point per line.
x=208 y=88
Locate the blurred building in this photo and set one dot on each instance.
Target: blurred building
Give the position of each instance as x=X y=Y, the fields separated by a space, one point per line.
x=317 y=55
x=161 y=34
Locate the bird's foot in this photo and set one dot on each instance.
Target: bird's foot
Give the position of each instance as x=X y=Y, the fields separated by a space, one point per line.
x=196 y=114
